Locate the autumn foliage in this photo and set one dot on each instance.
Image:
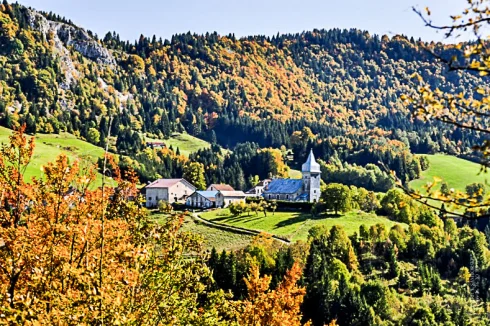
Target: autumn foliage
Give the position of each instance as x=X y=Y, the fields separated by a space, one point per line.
x=272 y=307
x=70 y=255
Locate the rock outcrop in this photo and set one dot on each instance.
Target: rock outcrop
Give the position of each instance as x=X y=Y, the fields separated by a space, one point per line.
x=67 y=35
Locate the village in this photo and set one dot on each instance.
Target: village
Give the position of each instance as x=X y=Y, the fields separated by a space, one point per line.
x=181 y=191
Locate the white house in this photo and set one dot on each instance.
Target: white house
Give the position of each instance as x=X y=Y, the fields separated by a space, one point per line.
x=258 y=189
x=204 y=199
x=220 y=187
x=229 y=197
x=169 y=190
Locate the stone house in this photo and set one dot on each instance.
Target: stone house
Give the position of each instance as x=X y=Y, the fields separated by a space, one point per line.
x=169 y=190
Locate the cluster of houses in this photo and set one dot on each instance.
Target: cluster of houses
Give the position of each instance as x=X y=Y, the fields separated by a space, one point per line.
x=306 y=189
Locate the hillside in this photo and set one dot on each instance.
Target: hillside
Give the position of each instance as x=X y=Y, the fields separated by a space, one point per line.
x=186 y=143
x=340 y=83
x=456 y=172
x=48 y=147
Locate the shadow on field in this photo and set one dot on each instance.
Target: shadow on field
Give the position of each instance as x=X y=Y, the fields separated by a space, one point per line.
x=243 y=218
x=298 y=218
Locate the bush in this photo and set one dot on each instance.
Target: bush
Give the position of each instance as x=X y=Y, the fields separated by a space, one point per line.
x=164 y=207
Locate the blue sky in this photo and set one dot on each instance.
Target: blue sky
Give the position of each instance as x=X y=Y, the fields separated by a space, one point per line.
x=249 y=17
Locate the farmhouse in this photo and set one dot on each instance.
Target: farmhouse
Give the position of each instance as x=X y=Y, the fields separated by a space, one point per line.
x=211 y=199
x=230 y=197
x=258 y=189
x=306 y=189
x=205 y=199
x=220 y=187
x=169 y=190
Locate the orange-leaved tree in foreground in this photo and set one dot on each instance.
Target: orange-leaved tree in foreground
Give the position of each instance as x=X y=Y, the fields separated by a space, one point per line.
x=271 y=307
x=71 y=255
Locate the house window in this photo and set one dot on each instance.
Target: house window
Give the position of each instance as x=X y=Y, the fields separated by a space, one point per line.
x=156 y=198
x=149 y=198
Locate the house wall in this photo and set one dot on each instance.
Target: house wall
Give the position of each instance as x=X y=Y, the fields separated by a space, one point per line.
x=228 y=200
x=179 y=191
x=154 y=195
x=199 y=201
x=220 y=200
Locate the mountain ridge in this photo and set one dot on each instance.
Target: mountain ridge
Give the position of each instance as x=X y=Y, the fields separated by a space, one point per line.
x=339 y=89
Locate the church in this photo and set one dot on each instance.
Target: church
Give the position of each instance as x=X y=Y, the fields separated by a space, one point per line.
x=306 y=189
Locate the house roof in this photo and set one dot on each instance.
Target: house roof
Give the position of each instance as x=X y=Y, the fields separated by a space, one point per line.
x=210 y=195
x=311 y=165
x=261 y=184
x=284 y=186
x=233 y=193
x=221 y=187
x=167 y=183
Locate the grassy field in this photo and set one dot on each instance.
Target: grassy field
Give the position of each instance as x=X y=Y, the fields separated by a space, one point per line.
x=219 y=239
x=455 y=171
x=48 y=147
x=186 y=143
x=293 y=225
x=295 y=174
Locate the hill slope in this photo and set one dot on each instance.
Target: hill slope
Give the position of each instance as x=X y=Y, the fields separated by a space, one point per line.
x=456 y=172
x=48 y=147
x=55 y=75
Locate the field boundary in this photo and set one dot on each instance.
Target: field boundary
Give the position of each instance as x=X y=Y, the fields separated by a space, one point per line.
x=236 y=229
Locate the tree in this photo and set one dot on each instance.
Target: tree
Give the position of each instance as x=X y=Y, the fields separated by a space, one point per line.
x=271 y=307
x=476 y=190
x=194 y=173
x=337 y=197
x=93 y=136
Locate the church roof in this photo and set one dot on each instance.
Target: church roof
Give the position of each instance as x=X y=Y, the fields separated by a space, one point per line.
x=284 y=186
x=311 y=165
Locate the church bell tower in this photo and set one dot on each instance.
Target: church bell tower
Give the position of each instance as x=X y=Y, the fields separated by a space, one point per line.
x=311 y=178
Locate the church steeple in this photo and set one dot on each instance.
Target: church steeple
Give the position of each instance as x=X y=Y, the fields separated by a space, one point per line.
x=311 y=165
x=311 y=178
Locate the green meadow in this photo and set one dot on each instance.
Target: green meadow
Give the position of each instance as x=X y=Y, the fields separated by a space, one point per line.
x=50 y=146
x=295 y=225
x=455 y=171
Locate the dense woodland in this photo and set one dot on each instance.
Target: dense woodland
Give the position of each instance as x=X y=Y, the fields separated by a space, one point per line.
x=335 y=91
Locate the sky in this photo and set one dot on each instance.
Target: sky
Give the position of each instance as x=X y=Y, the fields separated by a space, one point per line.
x=164 y=18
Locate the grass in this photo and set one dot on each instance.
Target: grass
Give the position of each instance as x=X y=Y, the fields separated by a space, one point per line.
x=220 y=239
x=186 y=143
x=49 y=146
x=295 y=174
x=295 y=225
x=455 y=171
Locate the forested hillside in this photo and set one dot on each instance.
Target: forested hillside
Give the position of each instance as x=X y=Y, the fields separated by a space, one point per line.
x=336 y=91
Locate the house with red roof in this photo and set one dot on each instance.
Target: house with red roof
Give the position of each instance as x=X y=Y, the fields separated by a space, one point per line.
x=169 y=190
x=220 y=187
